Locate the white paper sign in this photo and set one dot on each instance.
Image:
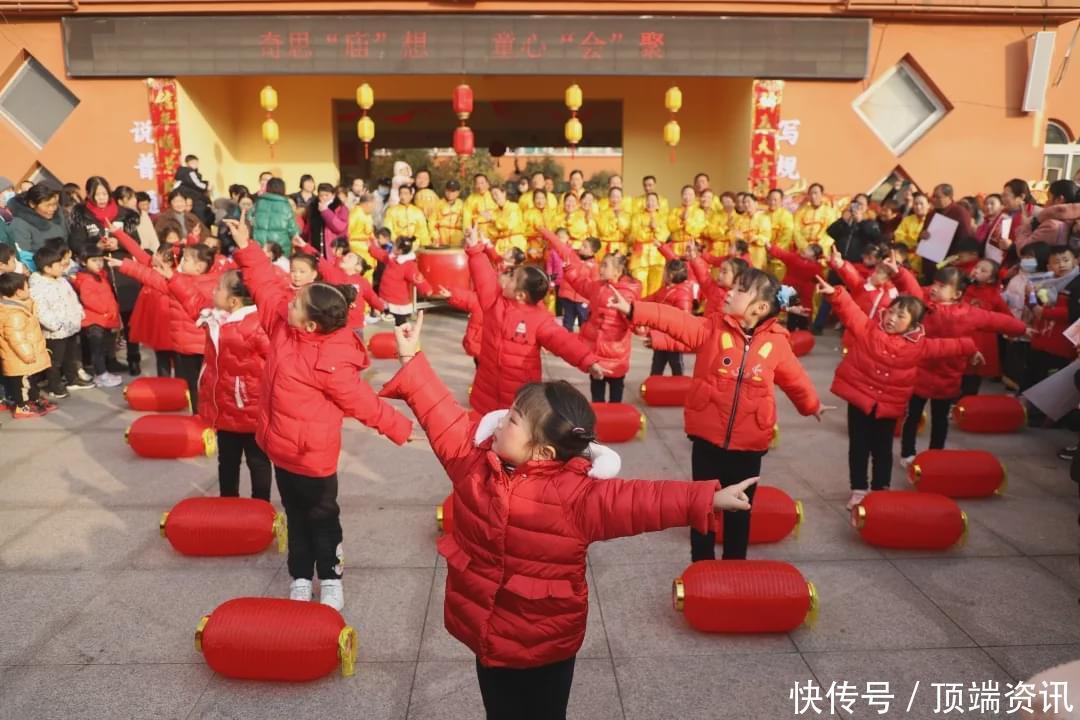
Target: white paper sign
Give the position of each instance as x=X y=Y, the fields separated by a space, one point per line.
x=993 y=252
x=1057 y=395
x=941 y=230
x=1073 y=333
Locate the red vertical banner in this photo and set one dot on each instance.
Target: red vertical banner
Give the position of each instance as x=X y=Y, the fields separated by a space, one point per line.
x=763 y=137
x=166 y=126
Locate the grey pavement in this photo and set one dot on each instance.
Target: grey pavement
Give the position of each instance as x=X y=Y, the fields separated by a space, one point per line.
x=97 y=612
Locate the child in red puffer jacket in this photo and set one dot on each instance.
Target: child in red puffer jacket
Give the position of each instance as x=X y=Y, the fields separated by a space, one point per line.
x=311 y=382
x=230 y=385
x=467 y=300
x=803 y=267
x=531 y=492
x=607 y=333
x=876 y=378
x=401 y=276
x=575 y=306
x=678 y=292
x=984 y=292
x=101 y=314
x=730 y=410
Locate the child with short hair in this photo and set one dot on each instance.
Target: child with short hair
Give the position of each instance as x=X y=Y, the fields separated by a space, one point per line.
x=516 y=587
x=731 y=409
x=401 y=277
x=677 y=292
x=575 y=306
x=984 y=292
x=312 y=381
x=802 y=269
x=61 y=315
x=101 y=314
x=24 y=356
x=9 y=260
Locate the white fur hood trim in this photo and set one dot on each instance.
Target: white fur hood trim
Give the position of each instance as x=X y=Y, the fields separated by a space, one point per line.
x=402 y=259
x=605 y=461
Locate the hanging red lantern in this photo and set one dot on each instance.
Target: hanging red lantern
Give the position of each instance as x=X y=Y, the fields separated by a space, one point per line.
x=989 y=414
x=748 y=596
x=773 y=516
x=158 y=394
x=256 y=638
x=958 y=473
x=444 y=515
x=909 y=520
x=383 y=346
x=462 y=101
x=666 y=391
x=464 y=142
x=802 y=342
x=618 y=422
x=171 y=436
x=219 y=526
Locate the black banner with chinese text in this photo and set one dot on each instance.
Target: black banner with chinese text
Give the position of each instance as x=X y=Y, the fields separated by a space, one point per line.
x=760 y=47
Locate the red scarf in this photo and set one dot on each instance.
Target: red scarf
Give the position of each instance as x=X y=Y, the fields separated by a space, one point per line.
x=106 y=215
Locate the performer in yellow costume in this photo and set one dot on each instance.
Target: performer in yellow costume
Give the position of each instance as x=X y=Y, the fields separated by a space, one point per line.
x=526 y=200
x=507 y=227
x=910 y=229
x=648 y=183
x=406 y=220
x=701 y=186
x=425 y=197
x=577 y=185
x=614 y=182
x=752 y=226
x=479 y=209
x=573 y=219
x=686 y=222
x=783 y=229
x=446 y=221
x=540 y=216
x=646 y=229
x=615 y=224
x=362 y=229
x=813 y=219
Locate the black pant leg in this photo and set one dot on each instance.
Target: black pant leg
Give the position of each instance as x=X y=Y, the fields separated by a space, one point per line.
x=597 y=389
x=165 y=360
x=939 y=423
x=294 y=499
x=324 y=520
x=229 y=451
x=94 y=337
x=859 y=443
x=57 y=347
x=70 y=368
x=616 y=388
x=400 y=320
x=676 y=364
x=881 y=443
x=659 y=360
x=16 y=388
x=538 y=693
x=704 y=462
x=188 y=367
x=708 y=462
x=911 y=425
x=258 y=465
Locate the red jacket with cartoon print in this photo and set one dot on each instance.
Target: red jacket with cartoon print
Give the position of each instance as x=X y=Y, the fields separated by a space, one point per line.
x=731 y=401
x=516 y=588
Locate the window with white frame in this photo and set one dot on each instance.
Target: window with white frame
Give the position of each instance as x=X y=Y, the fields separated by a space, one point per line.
x=1061 y=156
x=900 y=107
x=36 y=102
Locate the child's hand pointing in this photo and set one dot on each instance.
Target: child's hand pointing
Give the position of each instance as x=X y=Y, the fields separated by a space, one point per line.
x=619 y=302
x=733 y=497
x=408 y=338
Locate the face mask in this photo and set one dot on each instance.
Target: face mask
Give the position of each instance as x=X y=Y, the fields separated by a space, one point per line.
x=6 y=196
x=1029 y=265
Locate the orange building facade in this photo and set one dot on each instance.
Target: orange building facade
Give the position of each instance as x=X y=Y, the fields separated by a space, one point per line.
x=933 y=92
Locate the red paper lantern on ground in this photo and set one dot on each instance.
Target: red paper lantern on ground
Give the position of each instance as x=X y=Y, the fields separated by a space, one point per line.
x=618 y=422
x=444 y=515
x=957 y=473
x=665 y=391
x=909 y=520
x=218 y=526
x=254 y=638
x=748 y=596
x=464 y=141
x=989 y=414
x=171 y=436
x=383 y=346
x=802 y=342
x=773 y=516
x=158 y=394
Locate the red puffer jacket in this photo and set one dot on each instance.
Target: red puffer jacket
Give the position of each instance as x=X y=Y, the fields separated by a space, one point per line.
x=731 y=403
x=149 y=318
x=466 y=301
x=591 y=271
x=1049 y=336
x=187 y=339
x=512 y=336
x=98 y=299
x=801 y=273
x=365 y=294
x=712 y=293
x=516 y=590
x=311 y=382
x=235 y=356
x=681 y=297
x=870 y=299
x=986 y=297
x=400 y=276
x=877 y=374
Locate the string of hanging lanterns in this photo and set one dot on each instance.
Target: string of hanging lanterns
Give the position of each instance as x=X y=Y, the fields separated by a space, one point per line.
x=672 y=131
x=573 y=130
x=268 y=101
x=365 y=126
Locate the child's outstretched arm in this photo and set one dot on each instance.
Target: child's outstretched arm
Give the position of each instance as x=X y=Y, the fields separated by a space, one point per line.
x=184 y=292
x=143 y=273
x=791 y=377
x=446 y=423
x=565 y=251
x=951 y=347
x=557 y=340
x=684 y=327
x=377 y=251
x=133 y=248
x=998 y=322
x=480 y=269
x=906 y=283
x=608 y=509
x=850 y=314
x=356 y=399
x=270 y=296
x=370 y=296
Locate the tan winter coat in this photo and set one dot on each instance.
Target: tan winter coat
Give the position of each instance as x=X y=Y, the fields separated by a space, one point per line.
x=22 y=344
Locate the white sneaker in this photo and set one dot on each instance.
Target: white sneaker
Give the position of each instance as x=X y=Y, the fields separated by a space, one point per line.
x=857 y=497
x=331 y=593
x=906 y=462
x=107 y=380
x=300 y=590
x=372 y=320
x=84 y=376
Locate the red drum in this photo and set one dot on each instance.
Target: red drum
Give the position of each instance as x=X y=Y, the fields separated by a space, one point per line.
x=171 y=436
x=158 y=394
x=802 y=342
x=444 y=515
x=217 y=526
x=665 y=391
x=448 y=268
x=255 y=638
x=617 y=422
x=989 y=414
x=909 y=520
x=958 y=473
x=747 y=596
x=383 y=346
x=773 y=516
